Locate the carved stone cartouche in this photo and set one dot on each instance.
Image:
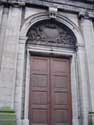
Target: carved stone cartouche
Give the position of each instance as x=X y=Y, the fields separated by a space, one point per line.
x=50 y=33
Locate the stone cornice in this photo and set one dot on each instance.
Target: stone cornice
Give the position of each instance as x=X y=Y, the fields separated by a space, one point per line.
x=13 y=2
x=58 y=3
x=63 y=5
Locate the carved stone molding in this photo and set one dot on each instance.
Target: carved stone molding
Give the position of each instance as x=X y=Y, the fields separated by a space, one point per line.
x=53 y=12
x=51 y=33
x=86 y=15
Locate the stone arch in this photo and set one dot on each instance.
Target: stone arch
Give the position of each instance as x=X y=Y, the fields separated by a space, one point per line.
x=44 y=16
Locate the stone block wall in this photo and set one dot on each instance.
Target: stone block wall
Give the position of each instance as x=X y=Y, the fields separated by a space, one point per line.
x=12 y=53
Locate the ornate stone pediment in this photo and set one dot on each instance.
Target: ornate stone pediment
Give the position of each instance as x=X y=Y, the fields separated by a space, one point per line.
x=51 y=33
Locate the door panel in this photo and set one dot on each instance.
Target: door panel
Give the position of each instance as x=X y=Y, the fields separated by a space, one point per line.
x=39 y=91
x=50 y=97
x=60 y=91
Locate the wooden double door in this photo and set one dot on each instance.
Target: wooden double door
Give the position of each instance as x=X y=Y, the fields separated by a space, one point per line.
x=50 y=91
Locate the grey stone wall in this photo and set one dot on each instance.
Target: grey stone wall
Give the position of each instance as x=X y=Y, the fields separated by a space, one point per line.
x=12 y=54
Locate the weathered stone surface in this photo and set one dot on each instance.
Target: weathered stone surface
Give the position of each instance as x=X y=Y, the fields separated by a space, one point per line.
x=14 y=63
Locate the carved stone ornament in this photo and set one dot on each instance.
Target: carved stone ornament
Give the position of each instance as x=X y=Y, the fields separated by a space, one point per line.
x=53 y=12
x=51 y=33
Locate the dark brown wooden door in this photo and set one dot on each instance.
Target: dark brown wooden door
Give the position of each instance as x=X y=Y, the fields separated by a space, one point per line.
x=50 y=93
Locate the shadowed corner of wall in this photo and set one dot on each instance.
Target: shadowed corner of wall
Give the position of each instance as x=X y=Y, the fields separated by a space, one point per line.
x=7 y=116
x=91 y=118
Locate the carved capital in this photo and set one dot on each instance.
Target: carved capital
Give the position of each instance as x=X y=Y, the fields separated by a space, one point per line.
x=86 y=15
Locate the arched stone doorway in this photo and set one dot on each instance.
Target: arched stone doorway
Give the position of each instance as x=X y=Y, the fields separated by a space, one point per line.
x=77 y=67
x=50 y=97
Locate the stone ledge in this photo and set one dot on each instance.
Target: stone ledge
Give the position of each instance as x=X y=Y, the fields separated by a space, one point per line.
x=62 y=5
x=71 y=3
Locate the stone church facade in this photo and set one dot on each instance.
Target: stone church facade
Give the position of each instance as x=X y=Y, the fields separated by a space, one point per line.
x=47 y=60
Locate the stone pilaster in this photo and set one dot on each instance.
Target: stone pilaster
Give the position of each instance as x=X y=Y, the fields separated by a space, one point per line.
x=83 y=85
x=9 y=55
x=3 y=23
x=1 y=12
x=88 y=34
x=4 y=93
